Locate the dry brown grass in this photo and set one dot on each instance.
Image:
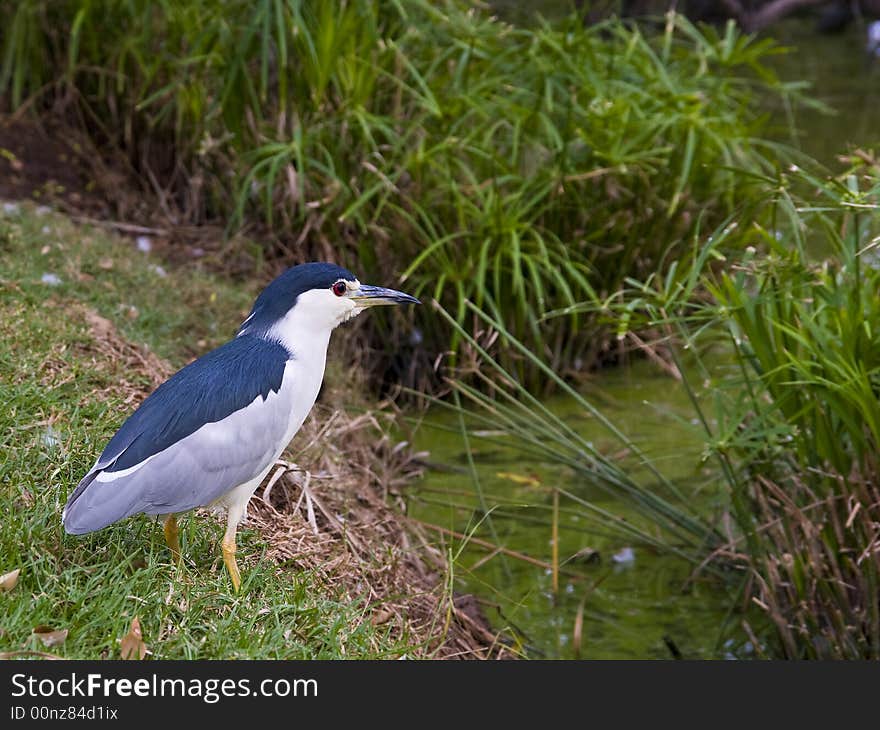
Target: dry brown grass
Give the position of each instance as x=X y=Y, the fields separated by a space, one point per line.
x=334 y=511
x=135 y=368
x=818 y=579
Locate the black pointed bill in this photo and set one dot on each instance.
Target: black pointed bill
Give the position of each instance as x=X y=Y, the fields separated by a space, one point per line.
x=371 y=296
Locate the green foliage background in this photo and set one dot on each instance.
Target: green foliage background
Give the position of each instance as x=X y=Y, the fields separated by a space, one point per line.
x=522 y=168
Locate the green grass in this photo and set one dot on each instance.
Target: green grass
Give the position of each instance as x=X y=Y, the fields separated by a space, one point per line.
x=62 y=399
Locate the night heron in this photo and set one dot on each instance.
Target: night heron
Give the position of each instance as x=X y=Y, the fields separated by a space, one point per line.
x=209 y=434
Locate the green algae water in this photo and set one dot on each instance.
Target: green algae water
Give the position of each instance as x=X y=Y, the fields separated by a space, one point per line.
x=616 y=599
x=843 y=77
x=629 y=601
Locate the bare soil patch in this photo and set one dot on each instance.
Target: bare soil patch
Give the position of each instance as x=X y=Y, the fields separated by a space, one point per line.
x=45 y=164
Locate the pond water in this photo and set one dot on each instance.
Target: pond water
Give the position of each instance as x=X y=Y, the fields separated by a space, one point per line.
x=629 y=602
x=843 y=77
x=634 y=600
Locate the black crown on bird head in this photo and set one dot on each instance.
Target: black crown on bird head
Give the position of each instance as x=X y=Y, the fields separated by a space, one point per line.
x=282 y=292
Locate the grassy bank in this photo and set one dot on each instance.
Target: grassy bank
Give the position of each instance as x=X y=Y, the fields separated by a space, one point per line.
x=88 y=326
x=524 y=168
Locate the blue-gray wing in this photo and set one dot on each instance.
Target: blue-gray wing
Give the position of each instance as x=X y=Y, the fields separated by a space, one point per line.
x=216 y=424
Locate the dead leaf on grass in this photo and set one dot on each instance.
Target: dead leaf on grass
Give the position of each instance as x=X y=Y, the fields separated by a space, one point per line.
x=381 y=617
x=9 y=580
x=49 y=636
x=132 y=645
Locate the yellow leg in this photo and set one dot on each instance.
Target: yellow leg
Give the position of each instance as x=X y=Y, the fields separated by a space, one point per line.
x=233 y=517
x=171 y=538
x=228 y=547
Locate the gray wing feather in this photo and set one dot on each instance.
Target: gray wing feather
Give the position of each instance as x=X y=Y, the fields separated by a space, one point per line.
x=190 y=473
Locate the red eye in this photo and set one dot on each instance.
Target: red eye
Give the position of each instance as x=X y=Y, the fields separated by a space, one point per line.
x=339 y=288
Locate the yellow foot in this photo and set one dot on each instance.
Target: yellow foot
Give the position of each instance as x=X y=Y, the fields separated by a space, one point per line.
x=171 y=539
x=228 y=548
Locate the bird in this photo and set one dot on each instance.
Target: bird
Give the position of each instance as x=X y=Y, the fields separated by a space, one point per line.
x=208 y=435
x=873 y=44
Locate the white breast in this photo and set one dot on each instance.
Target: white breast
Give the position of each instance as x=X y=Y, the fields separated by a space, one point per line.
x=302 y=380
x=305 y=333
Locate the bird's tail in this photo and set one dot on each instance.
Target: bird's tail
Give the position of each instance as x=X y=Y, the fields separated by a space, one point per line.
x=96 y=504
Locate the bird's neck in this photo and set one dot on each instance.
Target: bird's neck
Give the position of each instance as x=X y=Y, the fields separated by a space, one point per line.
x=305 y=338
